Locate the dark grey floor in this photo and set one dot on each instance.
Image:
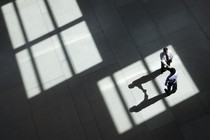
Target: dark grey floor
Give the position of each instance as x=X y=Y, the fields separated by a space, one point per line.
x=65 y=67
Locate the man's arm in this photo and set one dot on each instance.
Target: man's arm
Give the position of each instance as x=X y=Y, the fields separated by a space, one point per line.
x=163 y=60
x=171 y=55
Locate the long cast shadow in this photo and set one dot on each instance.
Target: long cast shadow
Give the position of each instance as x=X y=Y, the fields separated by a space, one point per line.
x=138 y=83
x=147 y=102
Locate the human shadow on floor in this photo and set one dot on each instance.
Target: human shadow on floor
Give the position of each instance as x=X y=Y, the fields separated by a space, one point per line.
x=147 y=102
x=138 y=83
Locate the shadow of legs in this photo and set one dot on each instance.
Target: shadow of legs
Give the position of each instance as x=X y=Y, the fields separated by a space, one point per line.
x=145 y=103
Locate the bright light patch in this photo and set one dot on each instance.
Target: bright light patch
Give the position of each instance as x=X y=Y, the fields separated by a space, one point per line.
x=131 y=73
x=54 y=82
x=129 y=98
x=27 y=73
x=186 y=89
x=135 y=71
x=46 y=62
x=46 y=15
x=186 y=86
x=32 y=20
x=47 y=65
x=33 y=92
x=81 y=47
x=62 y=57
x=65 y=11
x=153 y=110
x=13 y=25
x=114 y=105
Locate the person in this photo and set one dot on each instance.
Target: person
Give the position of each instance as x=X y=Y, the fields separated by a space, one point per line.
x=171 y=81
x=166 y=59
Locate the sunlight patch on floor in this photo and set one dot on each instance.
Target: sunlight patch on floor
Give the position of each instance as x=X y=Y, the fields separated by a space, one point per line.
x=48 y=61
x=114 y=105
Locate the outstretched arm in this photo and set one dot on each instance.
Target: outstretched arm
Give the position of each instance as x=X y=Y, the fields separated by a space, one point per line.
x=162 y=58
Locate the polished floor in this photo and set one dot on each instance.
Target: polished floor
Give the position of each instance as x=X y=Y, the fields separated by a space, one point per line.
x=66 y=67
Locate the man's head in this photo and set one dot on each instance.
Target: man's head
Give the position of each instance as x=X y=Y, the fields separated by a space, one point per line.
x=172 y=70
x=165 y=50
